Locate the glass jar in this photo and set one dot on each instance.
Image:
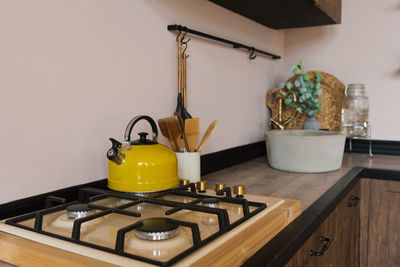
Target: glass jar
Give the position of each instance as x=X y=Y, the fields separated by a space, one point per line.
x=355 y=111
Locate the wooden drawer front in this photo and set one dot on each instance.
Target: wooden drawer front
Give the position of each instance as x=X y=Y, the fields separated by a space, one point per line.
x=383 y=224
x=341 y=227
x=303 y=255
x=348 y=207
x=393 y=186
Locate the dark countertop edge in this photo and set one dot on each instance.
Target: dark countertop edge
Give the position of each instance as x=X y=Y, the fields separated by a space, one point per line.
x=279 y=250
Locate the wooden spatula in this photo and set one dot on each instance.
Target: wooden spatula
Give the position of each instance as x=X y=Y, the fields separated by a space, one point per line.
x=166 y=131
x=206 y=135
x=192 y=133
x=182 y=128
x=174 y=131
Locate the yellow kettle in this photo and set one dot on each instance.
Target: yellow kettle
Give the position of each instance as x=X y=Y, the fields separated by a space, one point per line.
x=143 y=165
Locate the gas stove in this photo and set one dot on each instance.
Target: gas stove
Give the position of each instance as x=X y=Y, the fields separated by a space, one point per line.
x=160 y=229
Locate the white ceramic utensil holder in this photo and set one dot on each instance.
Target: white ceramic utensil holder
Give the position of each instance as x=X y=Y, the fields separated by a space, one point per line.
x=189 y=166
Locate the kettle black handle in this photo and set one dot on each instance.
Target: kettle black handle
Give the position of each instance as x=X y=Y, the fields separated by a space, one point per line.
x=132 y=123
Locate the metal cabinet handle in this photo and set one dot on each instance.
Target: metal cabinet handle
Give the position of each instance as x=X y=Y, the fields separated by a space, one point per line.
x=324 y=248
x=354 y=202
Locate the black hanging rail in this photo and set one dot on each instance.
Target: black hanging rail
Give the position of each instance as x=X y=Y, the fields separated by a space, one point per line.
x=252 y=50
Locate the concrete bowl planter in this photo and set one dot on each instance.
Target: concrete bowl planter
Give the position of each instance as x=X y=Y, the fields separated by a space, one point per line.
x=304 y=150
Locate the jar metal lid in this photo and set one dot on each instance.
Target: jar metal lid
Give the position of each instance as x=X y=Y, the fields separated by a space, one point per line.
x=355 y=89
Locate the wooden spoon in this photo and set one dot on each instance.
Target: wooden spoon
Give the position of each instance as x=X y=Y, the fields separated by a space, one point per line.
x=206 y=135
x=192 y=133
x=169 y=131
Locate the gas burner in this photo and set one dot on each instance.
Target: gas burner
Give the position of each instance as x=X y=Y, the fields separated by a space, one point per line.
x=211 y=202
x=78 y=211
x=156 y=229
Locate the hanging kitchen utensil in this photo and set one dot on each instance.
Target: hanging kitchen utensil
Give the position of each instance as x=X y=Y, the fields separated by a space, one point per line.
x=192 y=133
x=166 y=132
x=142 y=165
x=180 y=107
x=186 y=114
x=180 y=120
x=182 y=128
x=206 y=135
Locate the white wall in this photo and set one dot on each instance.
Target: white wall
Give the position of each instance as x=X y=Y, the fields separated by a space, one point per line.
x=74 y=72
x=364 y=48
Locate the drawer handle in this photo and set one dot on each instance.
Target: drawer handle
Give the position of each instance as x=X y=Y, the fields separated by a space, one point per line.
x=354 y=202
x=324 y=248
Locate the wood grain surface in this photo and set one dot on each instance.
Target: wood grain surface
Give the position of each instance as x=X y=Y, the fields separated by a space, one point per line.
x=260 y=179
x=383 y=226
x=243 y=245
x=23 y=252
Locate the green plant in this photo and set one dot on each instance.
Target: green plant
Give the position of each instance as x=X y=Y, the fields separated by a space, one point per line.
x=306 y=89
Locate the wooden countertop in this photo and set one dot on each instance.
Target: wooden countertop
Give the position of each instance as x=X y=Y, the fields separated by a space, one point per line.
x=260 y=179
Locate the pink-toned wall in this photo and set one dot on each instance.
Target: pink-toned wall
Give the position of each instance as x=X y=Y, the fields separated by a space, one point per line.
x=364 y=48
x=74 y=72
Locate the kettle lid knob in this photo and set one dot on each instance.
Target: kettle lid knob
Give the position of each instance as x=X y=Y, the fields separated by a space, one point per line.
x=143 y=140
x=142 y=136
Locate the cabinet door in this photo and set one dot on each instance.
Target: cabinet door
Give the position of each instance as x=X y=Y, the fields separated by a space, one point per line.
x=346 y=246
x=348 y=243
x=342 y=229
x=349 y=207
x=384 y=220
x=304 y=257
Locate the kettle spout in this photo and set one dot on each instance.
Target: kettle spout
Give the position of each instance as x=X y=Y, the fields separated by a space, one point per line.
x=114 y=154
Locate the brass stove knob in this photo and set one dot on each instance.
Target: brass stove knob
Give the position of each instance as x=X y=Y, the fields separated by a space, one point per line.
x=219 y=187
x=201 y=186
x=239 y=190
x=184 y=182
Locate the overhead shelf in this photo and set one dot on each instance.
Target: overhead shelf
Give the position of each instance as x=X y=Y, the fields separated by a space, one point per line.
x=282 y=14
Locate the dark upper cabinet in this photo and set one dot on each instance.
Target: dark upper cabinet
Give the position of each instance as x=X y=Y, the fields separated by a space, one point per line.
x=281 y=14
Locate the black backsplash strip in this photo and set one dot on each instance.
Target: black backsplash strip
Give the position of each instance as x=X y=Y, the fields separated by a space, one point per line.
x=232 y=156
x=381 y=174
x=378 y=146
x=29 y=204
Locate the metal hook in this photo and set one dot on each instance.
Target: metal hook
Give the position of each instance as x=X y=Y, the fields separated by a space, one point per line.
x=184 y=50
x=252 y=54
x=184 y=35
x=177 y=37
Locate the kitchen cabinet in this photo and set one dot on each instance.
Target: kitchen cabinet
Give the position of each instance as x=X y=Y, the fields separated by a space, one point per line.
x=336 y=241
x=363 y=229
x=380 y=233
x=281 y=14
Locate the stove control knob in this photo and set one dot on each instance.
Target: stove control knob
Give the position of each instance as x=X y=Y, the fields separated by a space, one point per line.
x=219 y=187
x=201 y=186
x=239 y=190
x=184 y=182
